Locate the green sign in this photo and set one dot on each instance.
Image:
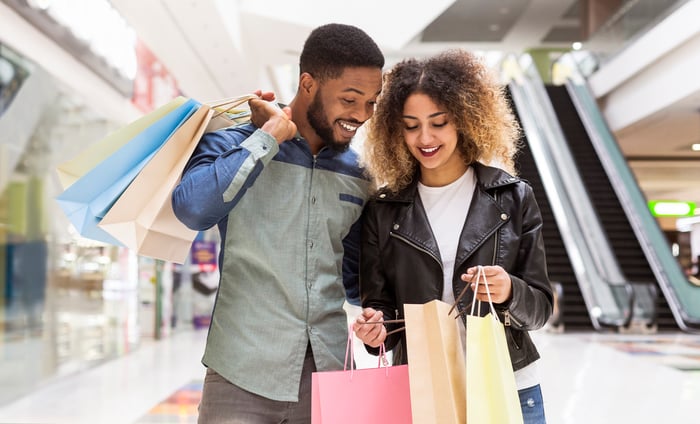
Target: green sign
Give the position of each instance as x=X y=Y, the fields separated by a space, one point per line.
x=671 y=208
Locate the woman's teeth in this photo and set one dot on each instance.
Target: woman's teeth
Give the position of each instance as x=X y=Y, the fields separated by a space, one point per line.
x=429 y=150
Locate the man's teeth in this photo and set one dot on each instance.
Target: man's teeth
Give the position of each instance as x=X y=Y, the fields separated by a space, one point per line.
x=429 y=150
x=348 y=127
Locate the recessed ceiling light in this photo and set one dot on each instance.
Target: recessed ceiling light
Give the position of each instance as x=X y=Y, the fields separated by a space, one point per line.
x=695 y=147
x=576 y=45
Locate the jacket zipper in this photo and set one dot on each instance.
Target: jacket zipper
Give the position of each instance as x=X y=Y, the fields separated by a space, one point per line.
x=409 y=242
x=506 y=314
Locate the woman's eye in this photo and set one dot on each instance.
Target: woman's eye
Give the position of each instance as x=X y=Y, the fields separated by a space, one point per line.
x=440 y=125
x=410 y=127
x=349 y=101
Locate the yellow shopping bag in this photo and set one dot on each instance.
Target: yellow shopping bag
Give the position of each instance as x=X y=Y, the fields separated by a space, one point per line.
x=492 y=396
x=435 y=364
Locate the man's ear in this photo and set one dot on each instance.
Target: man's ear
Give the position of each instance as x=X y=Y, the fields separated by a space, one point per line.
x=307 y=83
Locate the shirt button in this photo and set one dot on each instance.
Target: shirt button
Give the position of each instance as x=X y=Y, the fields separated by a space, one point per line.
x=311 y=245
x=396 y=226
x=383 y=195
x=504 y=217
x=313 y=200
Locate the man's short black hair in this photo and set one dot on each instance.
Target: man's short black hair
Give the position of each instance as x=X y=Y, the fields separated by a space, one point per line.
x=333 y=47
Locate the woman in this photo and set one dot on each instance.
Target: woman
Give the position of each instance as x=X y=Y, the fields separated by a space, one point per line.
x=442 y=211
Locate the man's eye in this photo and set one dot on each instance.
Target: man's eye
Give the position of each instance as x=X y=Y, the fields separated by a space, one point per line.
x=349 y=101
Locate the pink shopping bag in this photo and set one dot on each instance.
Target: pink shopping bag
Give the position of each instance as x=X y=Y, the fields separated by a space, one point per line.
x=351 y=396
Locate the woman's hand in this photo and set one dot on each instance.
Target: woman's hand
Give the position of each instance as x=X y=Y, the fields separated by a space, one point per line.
x=498 y=280
x=371 y=334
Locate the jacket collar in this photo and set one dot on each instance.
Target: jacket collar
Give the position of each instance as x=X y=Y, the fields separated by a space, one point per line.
x=487 y=178
x=485 y=216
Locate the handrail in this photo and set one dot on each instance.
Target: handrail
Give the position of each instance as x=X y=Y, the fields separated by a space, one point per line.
x=604 y=308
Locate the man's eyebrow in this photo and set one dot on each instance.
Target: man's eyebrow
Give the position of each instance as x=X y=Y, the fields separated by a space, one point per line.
x=360 y=92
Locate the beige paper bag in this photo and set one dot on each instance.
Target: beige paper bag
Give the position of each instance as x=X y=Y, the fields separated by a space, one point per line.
x=143 y=218
x=435 y=364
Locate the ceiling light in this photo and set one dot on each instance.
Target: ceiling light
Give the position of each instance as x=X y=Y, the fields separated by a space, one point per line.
x=695 y=147
x=576 y=45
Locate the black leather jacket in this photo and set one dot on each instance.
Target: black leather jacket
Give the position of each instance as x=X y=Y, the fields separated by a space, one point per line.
x=400 y=262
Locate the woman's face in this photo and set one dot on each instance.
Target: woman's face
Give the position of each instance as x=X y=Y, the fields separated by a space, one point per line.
x=431 y=137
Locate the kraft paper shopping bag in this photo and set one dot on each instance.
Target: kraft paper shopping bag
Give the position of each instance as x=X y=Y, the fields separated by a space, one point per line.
x=435 y=363
x=87 y=200
x=492 y=396
x=143 y=218
x=71 y=170
x=367 y=395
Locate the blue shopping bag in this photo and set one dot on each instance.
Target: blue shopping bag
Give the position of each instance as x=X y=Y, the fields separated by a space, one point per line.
x=87 y=200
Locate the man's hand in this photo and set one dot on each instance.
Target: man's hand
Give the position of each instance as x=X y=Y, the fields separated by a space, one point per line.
x=270 y=118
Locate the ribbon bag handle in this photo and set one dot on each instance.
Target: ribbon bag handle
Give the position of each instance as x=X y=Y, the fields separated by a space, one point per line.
x=481 y=274
x=229 y=103
x=350 y=354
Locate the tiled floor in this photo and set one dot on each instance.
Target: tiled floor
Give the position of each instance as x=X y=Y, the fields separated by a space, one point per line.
x=586 y=378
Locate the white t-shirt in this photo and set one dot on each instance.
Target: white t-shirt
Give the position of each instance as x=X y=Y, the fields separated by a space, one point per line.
x=447 y=208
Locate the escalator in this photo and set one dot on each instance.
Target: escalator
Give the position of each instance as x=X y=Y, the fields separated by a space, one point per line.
x=594 y=292
x=640 y=246
x=604 y=248
x=572 y=308
x=604 y=200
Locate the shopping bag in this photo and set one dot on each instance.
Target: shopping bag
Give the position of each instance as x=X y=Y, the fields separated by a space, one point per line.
x=88 y=199
x=492 y=396
x=143 y=218
x=435 y=364
x=71 y=170
x=369 y=395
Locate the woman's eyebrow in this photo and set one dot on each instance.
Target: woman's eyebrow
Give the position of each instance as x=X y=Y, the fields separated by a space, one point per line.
x=429 y=116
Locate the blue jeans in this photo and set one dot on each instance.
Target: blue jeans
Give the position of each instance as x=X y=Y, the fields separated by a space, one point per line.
x=532 y=405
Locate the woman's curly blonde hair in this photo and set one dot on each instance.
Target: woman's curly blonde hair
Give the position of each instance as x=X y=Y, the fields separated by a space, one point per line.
x=474 y=99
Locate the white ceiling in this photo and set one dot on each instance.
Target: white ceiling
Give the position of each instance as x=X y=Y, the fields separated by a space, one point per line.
x=222 y=48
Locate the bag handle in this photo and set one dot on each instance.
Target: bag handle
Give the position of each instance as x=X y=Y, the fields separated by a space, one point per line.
x=350 y=354
x=481 y=274
x=230 y=103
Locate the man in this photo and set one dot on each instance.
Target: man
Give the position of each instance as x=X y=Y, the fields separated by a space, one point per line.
x=286 y=194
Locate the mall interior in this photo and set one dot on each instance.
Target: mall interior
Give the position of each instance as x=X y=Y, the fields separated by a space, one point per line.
x=606 y=92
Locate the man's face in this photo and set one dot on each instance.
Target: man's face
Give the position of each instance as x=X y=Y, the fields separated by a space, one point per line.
x=341 y=105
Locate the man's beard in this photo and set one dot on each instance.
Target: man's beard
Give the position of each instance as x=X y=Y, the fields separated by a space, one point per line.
x=316 y=115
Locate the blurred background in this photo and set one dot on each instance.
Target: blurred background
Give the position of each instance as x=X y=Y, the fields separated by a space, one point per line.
x=606 y=91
